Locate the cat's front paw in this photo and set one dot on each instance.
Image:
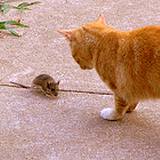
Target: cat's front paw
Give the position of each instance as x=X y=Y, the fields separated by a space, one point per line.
x=110 y=114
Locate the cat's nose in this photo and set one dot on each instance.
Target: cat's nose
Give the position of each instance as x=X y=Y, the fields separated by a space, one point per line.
x=56 y=94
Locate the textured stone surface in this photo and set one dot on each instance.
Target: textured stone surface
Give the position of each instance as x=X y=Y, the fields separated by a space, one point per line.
x=33 y=127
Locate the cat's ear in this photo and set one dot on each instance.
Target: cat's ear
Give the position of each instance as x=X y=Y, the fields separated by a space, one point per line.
x=102 y=19
x=67 y=33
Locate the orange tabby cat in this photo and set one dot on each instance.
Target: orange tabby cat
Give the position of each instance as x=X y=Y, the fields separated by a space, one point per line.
x=128 y=62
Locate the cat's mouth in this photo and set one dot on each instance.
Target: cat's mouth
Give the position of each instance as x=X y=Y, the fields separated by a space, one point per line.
x=85 y=67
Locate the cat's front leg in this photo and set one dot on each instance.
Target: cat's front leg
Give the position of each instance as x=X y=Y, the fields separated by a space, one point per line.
x=117 y=112
x=131 y=107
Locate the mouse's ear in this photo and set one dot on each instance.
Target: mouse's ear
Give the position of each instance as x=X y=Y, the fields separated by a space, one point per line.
x=58 y=82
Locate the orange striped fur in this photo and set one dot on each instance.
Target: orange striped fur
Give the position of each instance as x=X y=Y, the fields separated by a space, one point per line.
x=128 y=62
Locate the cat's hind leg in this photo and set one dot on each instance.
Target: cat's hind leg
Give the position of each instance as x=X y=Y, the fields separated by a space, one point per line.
x=116 y=113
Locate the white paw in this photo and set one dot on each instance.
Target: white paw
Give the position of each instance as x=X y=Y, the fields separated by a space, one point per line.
x=110 y=114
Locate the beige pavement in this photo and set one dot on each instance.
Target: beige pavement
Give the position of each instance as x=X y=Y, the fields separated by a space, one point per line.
x=33 y=127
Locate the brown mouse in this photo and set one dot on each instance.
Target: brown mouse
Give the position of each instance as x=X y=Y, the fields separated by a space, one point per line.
x=42 y=83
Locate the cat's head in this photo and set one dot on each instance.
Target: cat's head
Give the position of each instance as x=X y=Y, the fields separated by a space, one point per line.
x=83 y=42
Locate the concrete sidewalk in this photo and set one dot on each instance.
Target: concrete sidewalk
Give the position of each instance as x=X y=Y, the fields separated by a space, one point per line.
x=33 y=127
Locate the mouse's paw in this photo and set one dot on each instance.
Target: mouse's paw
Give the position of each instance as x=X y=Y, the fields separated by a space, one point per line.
x=110 y=114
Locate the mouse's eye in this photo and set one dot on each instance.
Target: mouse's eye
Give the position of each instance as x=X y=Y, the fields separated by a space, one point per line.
x=48 y=85
x=52 y=89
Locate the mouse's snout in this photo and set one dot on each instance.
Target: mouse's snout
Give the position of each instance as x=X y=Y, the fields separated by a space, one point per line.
x=56 y=94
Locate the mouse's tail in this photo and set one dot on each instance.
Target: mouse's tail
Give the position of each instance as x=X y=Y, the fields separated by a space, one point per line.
x=20 y=85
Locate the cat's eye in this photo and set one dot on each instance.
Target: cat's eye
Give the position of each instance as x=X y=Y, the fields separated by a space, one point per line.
x=74 y=55
x=77 y=61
